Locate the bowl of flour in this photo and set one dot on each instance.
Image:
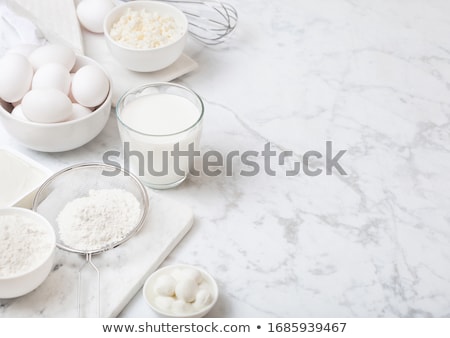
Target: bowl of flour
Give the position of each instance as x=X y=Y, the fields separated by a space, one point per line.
x=27 y=251
x=93 y=207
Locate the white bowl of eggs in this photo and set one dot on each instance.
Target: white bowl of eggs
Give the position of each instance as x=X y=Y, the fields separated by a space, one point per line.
x=181 y=290
x=52 y=100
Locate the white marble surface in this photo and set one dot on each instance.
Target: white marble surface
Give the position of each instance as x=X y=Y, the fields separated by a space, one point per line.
x=371 y=76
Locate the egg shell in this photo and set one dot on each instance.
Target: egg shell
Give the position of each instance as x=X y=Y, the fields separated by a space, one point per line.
x=91 y=14
x=53 y=53
x=165 y=285
x=52 y=75
x=17 y=113
x=90 y=86
x=46 y=106
x=78 y=112
x=186 y=289
x=16 y=74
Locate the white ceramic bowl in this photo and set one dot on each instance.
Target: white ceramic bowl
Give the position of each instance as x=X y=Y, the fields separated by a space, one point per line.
x=151 y=59
x=63 y=136
x=150 y=294
x=23 y=283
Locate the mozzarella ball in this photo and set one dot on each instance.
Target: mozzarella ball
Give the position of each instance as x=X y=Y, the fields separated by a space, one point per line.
x=92 y=12
x=180 y=307
x=90 y=86
x=164 y=303
x=53 y=53
x=192 y=274
x=46 y=106
x=16 y=74
x=165 y=285
x=186 y=289
x=202 y=298
x=52 y=75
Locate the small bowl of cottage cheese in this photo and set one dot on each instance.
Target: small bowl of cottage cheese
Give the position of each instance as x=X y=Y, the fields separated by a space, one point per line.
x=27 y=251
x=145 y=36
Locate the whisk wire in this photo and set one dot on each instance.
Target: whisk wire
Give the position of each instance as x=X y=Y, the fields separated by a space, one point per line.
x=215 y=26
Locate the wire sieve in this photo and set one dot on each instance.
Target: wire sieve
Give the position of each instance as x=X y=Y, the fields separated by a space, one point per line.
x=74 y=182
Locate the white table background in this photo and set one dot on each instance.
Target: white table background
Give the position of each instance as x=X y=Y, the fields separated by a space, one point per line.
x=373 y=77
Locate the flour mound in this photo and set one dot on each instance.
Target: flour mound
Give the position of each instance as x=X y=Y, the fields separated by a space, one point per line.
x=98 y=220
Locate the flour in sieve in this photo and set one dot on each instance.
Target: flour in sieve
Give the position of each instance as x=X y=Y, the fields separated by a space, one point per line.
x=98 y=220
x=24 y=244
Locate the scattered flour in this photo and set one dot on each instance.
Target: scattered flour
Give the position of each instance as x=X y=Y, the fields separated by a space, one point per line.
x=24 y=244
x=98 y=220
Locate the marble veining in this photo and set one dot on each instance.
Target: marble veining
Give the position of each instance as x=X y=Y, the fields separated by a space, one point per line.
x=373 y=78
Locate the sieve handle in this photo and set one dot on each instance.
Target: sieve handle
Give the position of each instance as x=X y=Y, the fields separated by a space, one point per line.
x=87 y=262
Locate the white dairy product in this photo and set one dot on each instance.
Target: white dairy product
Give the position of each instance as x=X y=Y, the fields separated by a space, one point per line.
x=202 y=298
x=142 y=29
x=160 y=114
x=165 y=285
x=18 y=178
x=164 y=303
x=156 y=123
x=24 y=244
x=190 y=295
x=186 y=289
x=191 y=274
x=98 y=220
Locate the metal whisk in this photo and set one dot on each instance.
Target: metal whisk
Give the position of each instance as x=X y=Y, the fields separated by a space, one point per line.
x=210 y=22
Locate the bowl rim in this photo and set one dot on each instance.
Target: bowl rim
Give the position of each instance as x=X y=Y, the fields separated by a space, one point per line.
x=201 y=312
x=106 y=102
x=85 y=165
x=46 y=223
x=143 y=4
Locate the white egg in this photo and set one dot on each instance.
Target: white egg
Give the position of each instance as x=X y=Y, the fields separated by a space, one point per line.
x=186 y=289
x=78 y=112
x=192 y=274
x=90 y=86
x=16 y=74
x=202 y=298
x=53 y=53
x=23 y=49
x=52 y=75
x=164 y=303
x=92 y=12
x=46 y=106
x=17 y=113
x=165 y=285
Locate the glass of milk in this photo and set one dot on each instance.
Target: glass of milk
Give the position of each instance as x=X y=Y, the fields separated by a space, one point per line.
x=160 y=124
